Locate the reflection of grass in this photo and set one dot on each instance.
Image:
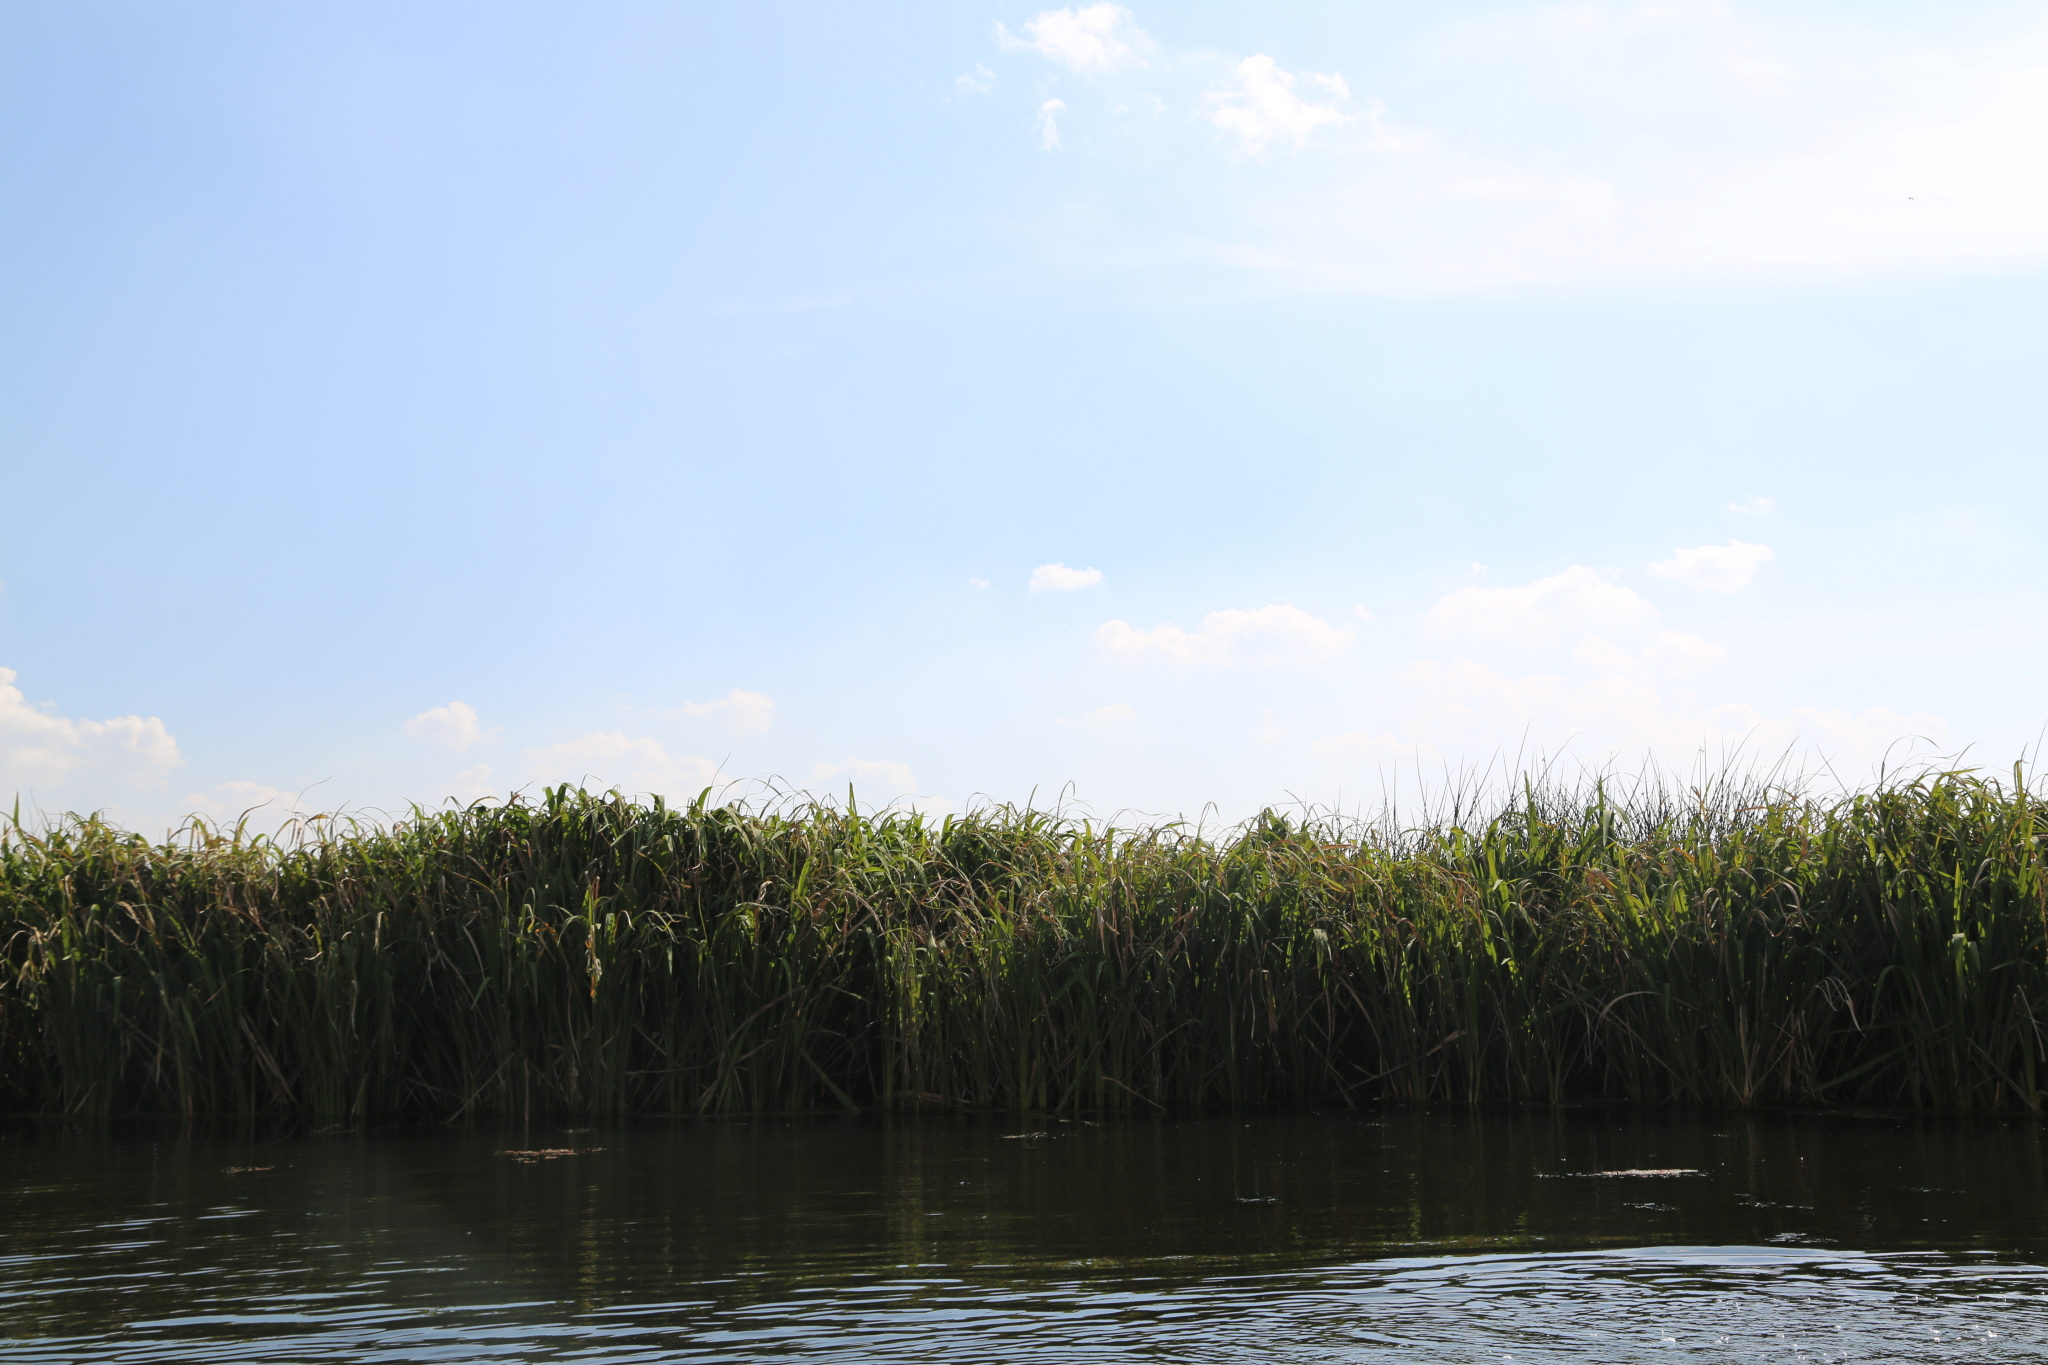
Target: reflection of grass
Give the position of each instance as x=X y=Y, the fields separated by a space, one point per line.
x=584 y=954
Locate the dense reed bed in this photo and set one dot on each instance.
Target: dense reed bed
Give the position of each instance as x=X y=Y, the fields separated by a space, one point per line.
x=582 y=954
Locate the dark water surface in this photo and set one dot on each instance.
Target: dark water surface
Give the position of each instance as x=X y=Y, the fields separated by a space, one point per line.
x=1474 y=1236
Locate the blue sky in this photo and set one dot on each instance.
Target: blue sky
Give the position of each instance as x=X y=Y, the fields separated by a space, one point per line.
x=1171 y=405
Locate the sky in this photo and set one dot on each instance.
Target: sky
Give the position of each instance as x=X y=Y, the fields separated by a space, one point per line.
x=1173 y=409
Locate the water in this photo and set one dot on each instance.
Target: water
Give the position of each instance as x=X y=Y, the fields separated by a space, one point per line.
x=1378 y=1237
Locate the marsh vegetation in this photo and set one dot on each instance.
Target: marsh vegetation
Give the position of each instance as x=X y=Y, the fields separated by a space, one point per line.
x=583 y=954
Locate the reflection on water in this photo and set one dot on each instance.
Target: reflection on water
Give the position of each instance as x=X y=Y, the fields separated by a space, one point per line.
x=1453 y=1237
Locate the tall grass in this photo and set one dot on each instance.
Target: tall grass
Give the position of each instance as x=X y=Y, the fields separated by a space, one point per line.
x=582 y=954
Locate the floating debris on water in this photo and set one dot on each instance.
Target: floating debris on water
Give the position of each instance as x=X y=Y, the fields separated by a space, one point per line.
x=529 y=1156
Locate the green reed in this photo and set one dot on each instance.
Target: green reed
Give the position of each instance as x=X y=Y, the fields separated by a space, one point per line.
x=582 y=954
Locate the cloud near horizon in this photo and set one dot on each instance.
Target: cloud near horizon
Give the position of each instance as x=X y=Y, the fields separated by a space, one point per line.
x=1270 y=637
x=40 y=749
x=889 y=776
x=1626 y=689
x=1459 y=711
x=231 y=801
x=636 y=766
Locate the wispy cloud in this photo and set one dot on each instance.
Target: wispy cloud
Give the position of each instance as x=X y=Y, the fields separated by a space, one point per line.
x=1269 y=637
x=1386 y=749
x=1060 y=578
x=977 y=80
x=1261 y=105
x=1715 y=568
x=1270 y=732
x=634 y=765
x=229 y=802
x=1539 y=613
x=1087 y=40
x=1681 y=655
x=1049 y=124
x=1674 y=654
x=1102 y=717
x=1753 y=507
x=1616 y=708
x=747 y=713
x=885 y=776
x=1607 y=142
x=474 y=784
x=454 y=726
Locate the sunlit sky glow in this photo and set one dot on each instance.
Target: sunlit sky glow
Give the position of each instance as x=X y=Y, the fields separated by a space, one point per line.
x=1170 y=406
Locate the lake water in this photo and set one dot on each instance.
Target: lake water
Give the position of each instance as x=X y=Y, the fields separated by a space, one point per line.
x=1461 y=1236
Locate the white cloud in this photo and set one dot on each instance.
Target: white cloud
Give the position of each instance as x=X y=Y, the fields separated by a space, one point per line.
x=1270 y=732
x=1619 y=710
x=978 y=81
x=1362 y=612
x=634 y=766
x=1388 y=749
x=1087 y=40
x=977 y=582
x=1858 y=743
x=1539 y=613
x=40 y=750
x=1103 y=717
x=474 y=784
x=1060 y=578
x=228 y=802
x=1753 y=507
x=1262 y=104
x=1599 y=142
x=1675 y=654
x=1048 y=124
x=1461 y=705
x=1603 y=655
x=748 y=713
x=1270 y=637
x=1682 y=655
x=1715 y=568
x=454 y=726
x=888 y=776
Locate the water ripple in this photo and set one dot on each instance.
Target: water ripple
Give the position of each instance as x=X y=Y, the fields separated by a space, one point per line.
x=1281 y=1241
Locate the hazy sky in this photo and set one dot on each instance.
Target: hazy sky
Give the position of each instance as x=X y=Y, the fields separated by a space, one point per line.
x=1174 y=404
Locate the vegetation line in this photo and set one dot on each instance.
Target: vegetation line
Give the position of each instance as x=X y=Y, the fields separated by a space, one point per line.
x=581 y=954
